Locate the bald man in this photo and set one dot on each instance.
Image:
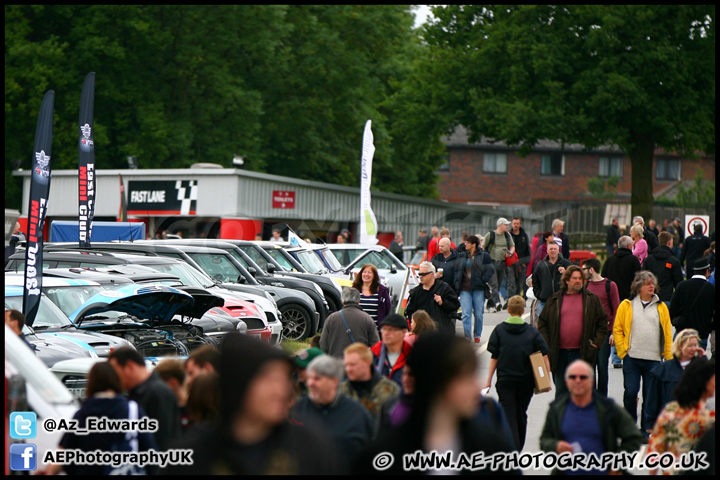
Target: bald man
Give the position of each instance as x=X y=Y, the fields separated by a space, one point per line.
x=446 y=260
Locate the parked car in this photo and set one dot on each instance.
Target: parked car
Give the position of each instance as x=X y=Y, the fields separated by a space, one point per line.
x=258 y=312
x=52 y=334
x=215 y=323
x=30 y=387
x=300 y=310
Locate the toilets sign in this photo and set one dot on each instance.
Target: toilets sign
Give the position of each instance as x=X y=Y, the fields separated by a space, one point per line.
x=283 y=199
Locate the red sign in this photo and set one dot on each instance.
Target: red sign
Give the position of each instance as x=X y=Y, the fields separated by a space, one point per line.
x=283 y=199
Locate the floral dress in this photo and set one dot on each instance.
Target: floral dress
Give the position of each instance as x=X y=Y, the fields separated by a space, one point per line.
x=678 y=429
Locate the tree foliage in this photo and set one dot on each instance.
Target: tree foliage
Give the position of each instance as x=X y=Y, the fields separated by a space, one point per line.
x=288 y=87
x=639 y=77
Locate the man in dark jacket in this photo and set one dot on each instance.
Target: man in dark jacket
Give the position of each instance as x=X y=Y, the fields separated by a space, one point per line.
x=613 y=235
x=447 y=259
x=558 y=227
x=694 y=301
x=621 y=267
x=475 y=270
x=438 y=299
x=666 y=268
x=573 y=324
x=253 y=435
x=594 y=418
x=522 y=248
x=547 y=273
x=695 y=246
x=150 y=392
x=511 y=344
x=345 y=421
x=335 y=337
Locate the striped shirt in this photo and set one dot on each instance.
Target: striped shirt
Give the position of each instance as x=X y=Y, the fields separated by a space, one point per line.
x=369 y=305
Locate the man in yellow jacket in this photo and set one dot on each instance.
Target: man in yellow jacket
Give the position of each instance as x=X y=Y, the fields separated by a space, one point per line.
x=643 y=337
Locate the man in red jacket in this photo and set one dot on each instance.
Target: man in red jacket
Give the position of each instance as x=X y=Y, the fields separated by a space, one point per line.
x=392 y=351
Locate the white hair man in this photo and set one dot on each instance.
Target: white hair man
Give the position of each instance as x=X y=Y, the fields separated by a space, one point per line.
x=437 y=298
x=345 y=421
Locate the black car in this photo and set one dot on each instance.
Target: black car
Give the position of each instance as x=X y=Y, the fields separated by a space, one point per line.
x=300 y=315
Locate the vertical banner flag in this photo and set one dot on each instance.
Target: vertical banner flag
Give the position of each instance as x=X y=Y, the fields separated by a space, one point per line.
x=122 y=214
x=39 y=190
x=86 y=163
x=368 y=224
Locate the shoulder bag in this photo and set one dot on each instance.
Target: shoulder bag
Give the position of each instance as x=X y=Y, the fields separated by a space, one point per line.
x=347 y=327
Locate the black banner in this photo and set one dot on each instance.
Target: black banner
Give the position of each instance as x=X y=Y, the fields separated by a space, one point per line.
x=168 y=197
x=39 y=190
x=86 y=163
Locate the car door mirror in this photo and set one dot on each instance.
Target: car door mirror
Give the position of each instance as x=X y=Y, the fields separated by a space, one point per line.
x=252 y=271
x=393 y=269
x=241 y=280
x=271 y=268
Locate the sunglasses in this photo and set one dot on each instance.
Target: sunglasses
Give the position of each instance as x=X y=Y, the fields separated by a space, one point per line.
x=581 y=377
x=423 y=274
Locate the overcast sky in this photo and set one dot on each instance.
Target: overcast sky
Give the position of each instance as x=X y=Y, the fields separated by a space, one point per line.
x=421 y=14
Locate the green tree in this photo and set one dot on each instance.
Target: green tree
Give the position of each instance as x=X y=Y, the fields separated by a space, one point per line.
x=639 y=77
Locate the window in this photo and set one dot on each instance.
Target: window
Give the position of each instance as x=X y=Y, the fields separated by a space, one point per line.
x=667 y=169
x=495 y=163
x=445 y=166
x=553 y=164
x=611 y=167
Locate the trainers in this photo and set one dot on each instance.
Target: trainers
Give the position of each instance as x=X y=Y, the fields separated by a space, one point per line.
x=504 y=307
x=477 y=339
x=498 y=307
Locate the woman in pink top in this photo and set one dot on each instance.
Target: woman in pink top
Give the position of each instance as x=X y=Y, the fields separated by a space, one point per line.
x=421 y=323
x=640 y=248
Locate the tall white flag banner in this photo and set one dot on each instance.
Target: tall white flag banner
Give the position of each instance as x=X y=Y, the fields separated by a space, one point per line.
x=368 y=223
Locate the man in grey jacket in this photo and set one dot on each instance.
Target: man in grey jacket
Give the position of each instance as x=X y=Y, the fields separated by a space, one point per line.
x=335 y=336
x=546 y=276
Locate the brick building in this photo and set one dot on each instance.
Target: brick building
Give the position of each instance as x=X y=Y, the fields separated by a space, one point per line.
x=493 y=174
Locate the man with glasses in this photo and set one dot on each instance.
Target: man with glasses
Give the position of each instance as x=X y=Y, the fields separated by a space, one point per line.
x=438 y=299
x=586 y=422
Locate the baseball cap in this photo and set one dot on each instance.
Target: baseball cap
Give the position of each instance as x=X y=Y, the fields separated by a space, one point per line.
x=502 y=221
x=395 y=320
x=305 y=356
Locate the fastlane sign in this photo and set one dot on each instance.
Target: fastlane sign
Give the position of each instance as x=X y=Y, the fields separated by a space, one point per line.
x=177 y=197
x=283 y=199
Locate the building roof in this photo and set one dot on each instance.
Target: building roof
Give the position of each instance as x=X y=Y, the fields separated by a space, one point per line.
x=459 y=139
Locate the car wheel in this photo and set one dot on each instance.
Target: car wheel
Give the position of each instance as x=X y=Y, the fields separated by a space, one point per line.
x=297 y=322
x=331 y=304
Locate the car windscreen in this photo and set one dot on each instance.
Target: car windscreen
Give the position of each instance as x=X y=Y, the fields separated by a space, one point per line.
x=311 y=262
x=187 y=274
x=255 y=255
x=278 y=256
x=69 y=298
x=331 y=260
x=216 y=266
x=48 y=314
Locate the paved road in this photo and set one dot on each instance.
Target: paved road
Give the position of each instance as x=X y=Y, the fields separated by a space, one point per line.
x=539 y=404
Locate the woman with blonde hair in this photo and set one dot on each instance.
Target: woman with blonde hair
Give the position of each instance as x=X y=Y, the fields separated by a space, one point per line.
x=640 y=247
x=664 y=377
x=421 y=323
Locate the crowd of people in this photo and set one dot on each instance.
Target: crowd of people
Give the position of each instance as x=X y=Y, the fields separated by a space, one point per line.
x=376 y=382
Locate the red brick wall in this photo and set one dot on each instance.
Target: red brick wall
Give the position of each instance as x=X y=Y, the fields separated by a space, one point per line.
x=466 y=182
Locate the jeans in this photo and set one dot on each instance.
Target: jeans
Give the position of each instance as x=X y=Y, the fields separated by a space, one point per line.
x=502 y=271
x=615 y=359
x=635 y=370
x=503 y=289
x=611 y=250
x=515 y=396
x=540 y=306
x=602 y=367
x=565 y=358
x=469 y=301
